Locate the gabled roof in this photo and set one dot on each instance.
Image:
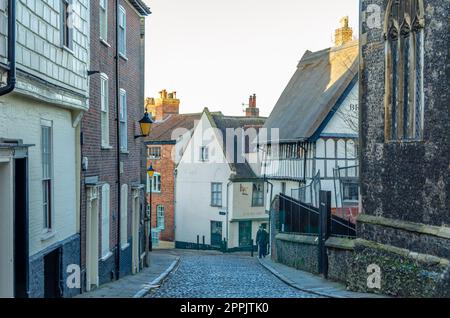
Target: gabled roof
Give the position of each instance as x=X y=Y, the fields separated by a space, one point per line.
x=319 y=81
x=162 y=132
x=141 y=7
x=218 y=120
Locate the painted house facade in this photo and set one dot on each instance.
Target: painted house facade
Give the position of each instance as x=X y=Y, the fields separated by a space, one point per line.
x=218 y=195
x=309 y=142
x=39 y=146
x=112 y=190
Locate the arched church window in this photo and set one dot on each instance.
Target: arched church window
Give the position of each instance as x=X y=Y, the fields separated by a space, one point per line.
x=404 y=36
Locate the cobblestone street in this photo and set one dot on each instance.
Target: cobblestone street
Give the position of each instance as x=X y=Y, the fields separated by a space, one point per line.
x=211 y=274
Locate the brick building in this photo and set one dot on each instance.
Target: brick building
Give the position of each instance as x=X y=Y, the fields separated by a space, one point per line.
x=404 y=148
x=163 y=148
x=112 y=197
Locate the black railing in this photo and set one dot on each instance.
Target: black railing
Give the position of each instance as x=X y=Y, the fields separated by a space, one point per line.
x=302 y=218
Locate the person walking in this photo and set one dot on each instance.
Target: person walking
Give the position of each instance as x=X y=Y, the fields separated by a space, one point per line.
x=262 y=238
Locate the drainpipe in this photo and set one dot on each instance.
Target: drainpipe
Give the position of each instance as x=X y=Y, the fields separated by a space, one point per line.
x=117 y=97
x=228 y=185
x=11 y=83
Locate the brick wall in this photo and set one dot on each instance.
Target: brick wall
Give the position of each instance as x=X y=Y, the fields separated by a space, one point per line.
x=103 y=162
x=165 y=166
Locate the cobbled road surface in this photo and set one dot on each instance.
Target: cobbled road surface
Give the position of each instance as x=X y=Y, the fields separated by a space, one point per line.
x=216 y=275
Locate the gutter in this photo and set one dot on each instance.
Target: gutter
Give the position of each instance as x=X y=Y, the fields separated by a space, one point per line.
x=117 y=97
x=11 y=83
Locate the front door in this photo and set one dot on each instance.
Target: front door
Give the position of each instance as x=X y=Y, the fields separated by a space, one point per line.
x=92 y=239
x=216 y=233
x=245 y=233
x=135 y=234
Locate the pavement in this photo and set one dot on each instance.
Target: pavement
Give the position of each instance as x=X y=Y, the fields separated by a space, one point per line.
x=162 y=262
x=310 y=283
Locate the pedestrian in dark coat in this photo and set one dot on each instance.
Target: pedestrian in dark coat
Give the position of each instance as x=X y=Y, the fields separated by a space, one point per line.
x=262 y=239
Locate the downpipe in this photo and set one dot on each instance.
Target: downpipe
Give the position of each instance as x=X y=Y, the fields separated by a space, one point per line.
x=11 y=83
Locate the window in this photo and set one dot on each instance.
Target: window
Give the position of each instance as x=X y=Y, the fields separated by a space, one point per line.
x=154 y=153
x=47 y=173
x=204 y=154
x=67 y=23
x=124 y=216
x=283 y=187
x=122 y=31
x=258 y=194
x=404 y=70
x=350 y=191
x=155 y=184
x=104 y=20
x=160 y=217
x=123 y=121
x=104 y=107
x=106 y=201
x=216 y=194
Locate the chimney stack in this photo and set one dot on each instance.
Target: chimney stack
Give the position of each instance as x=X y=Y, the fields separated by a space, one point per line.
x=167 y=104
x=252 y=110
x=344 y=34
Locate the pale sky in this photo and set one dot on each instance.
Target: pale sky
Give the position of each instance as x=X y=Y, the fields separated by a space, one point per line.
x=216 y=53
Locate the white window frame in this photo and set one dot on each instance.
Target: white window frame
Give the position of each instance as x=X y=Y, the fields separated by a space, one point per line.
x=154 y=185
x=104 y=110
x=66 y=33
x=160 y=217
x=216 y=189
x=258 y=195
x=103 y=19
x=123 y=118
x=204 y=153
x=47 y=176
x=122 y=31
x=124 y=216
x=106 y=214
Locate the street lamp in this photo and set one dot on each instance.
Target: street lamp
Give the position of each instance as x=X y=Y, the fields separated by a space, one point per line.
x=148 y=245
x=145 y=124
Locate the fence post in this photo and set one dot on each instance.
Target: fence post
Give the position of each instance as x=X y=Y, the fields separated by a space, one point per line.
x=203 y=240
x=324 y=230
x=251 y=242
x=198 y=242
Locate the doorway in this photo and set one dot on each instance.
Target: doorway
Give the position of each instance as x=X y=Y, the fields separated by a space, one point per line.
x=216 y=233
x=20 y=229
x=92 y=239
x=245 y=233
x=52 y=274
x=135 y=234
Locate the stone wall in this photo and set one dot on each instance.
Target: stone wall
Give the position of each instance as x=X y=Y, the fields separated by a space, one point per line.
x=298 y=251
x=340 y=258
x=402 y=273
x=70 y=254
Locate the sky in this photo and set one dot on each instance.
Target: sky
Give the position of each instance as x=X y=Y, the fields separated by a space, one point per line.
x=216 y=53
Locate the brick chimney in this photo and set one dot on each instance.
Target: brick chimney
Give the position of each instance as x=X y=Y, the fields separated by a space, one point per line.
x=252 y=110
x=167 y=104
x=344 y=34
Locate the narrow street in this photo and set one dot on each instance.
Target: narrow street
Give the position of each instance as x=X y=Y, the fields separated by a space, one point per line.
x=211 y=274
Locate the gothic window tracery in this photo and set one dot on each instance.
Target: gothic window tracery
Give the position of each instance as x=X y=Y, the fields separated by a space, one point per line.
x=404 y=70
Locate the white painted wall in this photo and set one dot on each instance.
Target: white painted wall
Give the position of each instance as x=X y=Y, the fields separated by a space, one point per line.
x=20 y=118
x=6 y=228
x=193 y=210
x=345 y=121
